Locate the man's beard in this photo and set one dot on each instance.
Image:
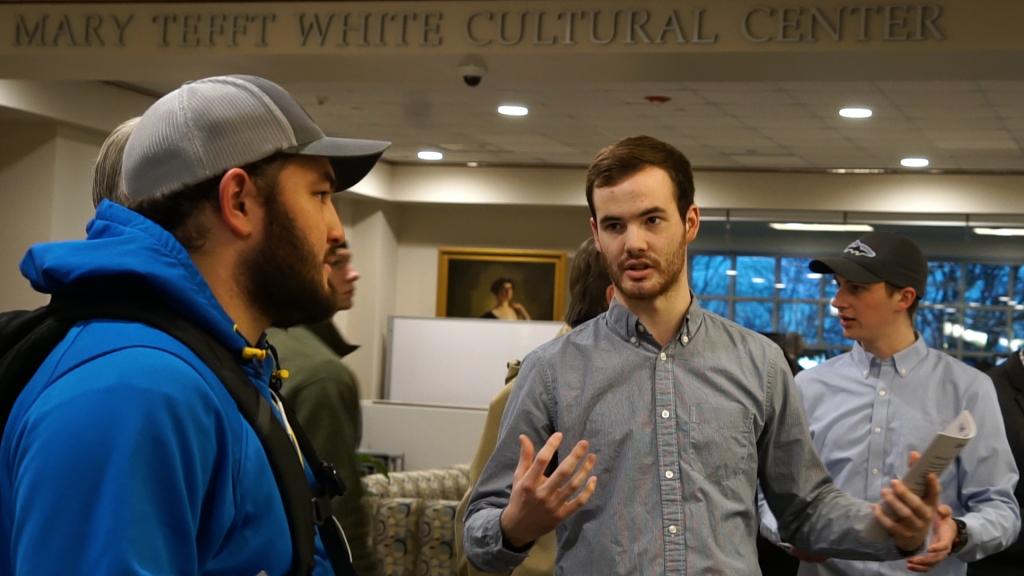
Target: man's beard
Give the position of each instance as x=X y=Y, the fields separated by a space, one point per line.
x=670 y=269
x=282 y=277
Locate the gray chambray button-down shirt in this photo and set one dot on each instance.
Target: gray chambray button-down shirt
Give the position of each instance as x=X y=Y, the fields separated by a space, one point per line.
x=682 y=435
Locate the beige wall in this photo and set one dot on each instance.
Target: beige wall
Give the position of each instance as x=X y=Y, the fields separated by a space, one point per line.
x=402 y=214
x=372 y=237
x=51 y=133
x=424 y=228
x=46 y=194
x=27 y=156
x=789 y=191
x=76 y=152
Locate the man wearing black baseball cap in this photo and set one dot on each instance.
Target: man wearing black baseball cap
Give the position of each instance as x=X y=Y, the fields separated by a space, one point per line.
x=879 y=257
x=125 y=453
x=889 y=395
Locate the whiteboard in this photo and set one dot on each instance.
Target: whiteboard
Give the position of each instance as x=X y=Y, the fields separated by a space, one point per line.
x=456 y=361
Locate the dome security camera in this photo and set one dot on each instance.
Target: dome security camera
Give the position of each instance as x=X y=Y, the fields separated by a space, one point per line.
x=472 y=72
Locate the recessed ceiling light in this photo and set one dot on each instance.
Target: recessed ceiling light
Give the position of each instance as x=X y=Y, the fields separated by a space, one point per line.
x=914 y=162
x=999 y=231
x=855 y=112
x=513 y=110
x=813 y=275
x=472 y=164
x=757 y=280
x=730 y=272
x=432 y=155
x=809 y=227
x=780 y=286
x=856 y=170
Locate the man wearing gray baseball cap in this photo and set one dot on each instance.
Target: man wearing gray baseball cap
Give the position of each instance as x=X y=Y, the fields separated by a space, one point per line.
x=128 y=452
x=888 y=396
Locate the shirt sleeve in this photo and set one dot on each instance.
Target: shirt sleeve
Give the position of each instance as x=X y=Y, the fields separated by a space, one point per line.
x=484 y=449
x=813 y=514
x=528 y=412
x=987 y=475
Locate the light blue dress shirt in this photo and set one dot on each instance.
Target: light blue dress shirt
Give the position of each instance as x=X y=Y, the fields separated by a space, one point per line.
x=867 y=414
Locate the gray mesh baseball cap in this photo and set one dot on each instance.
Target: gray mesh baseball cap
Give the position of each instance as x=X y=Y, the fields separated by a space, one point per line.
x=879 y=257
x=206 y=127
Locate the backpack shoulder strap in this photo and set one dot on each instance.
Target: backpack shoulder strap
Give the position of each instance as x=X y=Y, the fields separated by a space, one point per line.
x=329 y=485
x=26 y=338
x=287 y=470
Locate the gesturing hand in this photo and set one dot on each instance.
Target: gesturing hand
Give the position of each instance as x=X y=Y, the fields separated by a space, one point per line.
x=538 y=503
x=905 y=516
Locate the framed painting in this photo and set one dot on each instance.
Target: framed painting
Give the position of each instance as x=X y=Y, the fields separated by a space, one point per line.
x=481 y=282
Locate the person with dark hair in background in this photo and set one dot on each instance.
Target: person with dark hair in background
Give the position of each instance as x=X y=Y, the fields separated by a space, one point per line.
x=791 y=344
x=677 y=411
x=890 y=395
x=125 y=453
x=772 y=559
x=505 y=308
x=590 y=290
x=1008 y=379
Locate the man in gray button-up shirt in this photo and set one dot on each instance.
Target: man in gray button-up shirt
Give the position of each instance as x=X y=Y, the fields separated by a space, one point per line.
x=677 y=411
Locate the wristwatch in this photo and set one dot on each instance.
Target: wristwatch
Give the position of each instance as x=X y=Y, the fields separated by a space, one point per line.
x=961 y=536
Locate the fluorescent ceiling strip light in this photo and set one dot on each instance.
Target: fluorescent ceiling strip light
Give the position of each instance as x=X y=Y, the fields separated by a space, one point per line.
x=513 y=110
x=999 y=231
x=855 y=112
x=811 y=227
x=914 y=162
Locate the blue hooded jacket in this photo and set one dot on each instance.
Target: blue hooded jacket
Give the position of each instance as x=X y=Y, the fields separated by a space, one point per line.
x=125 y=454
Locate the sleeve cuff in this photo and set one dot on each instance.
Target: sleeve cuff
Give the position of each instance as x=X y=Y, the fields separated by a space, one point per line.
x=485 y=545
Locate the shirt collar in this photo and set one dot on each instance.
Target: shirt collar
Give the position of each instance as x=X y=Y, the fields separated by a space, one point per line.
x=904 y=361
x=627 y=325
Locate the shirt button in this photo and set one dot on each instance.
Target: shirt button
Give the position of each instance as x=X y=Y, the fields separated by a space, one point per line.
x=672 y=529
x=874 y=471
x=665 y=414
x=877 y=429
x=632 y=340
x=881 y=392
x=903 y=372
x=663 y=356
x=640 y=329
x=670 y=474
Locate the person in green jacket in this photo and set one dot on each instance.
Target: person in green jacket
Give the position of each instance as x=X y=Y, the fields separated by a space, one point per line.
x=324 y=394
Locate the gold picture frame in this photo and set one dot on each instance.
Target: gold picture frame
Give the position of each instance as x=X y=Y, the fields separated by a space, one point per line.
x=465 y=275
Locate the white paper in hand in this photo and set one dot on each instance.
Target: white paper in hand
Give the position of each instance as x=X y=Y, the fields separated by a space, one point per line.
x=943 y=449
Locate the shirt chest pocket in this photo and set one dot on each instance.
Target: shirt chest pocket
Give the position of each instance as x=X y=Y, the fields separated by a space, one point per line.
x=721 y=440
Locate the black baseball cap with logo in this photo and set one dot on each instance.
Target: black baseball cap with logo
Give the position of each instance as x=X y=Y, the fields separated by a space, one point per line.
x=879 y=257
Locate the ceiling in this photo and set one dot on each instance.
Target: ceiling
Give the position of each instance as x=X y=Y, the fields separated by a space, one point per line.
x=957 y=100
x=968 y=126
